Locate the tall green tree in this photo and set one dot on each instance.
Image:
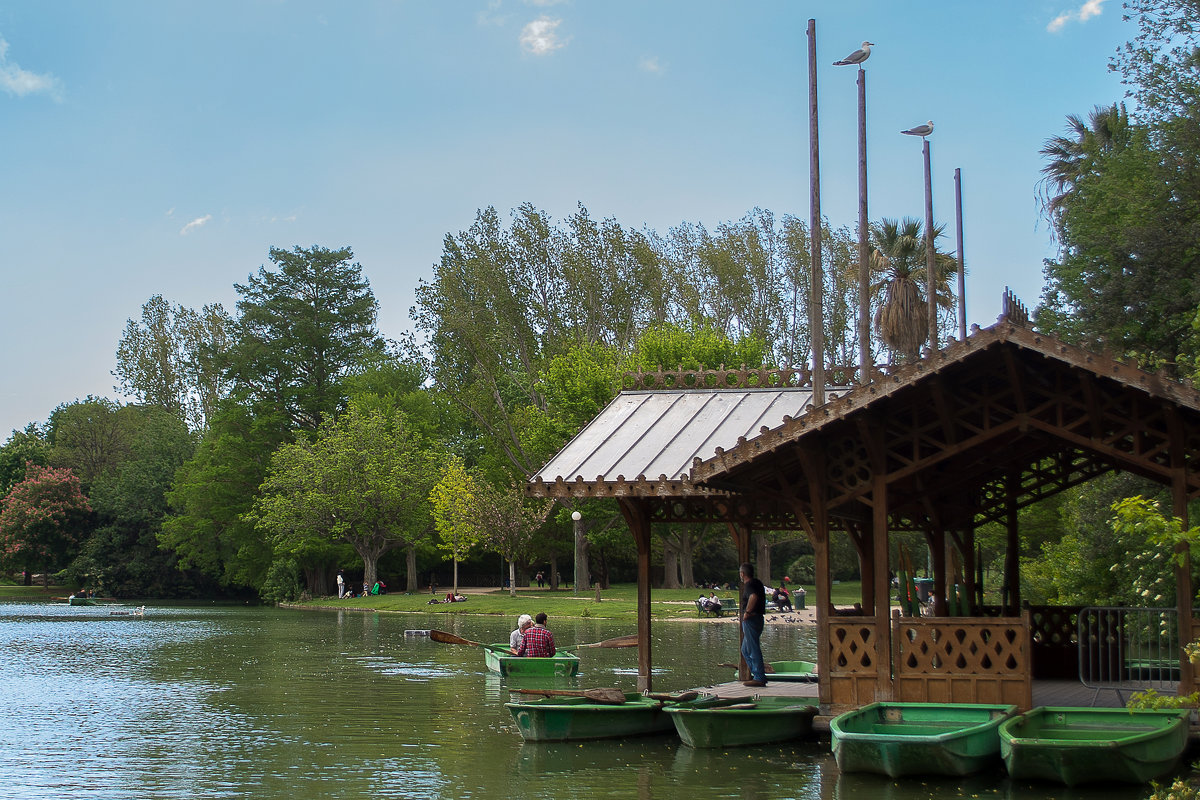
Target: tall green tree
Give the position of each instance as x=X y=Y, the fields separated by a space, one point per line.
x=302 y=326
x=171 y=359
x=40 y=520
x=452 y=498
x=23 y=447
x=1159 y=65
x=507 y=523
x=364 y=480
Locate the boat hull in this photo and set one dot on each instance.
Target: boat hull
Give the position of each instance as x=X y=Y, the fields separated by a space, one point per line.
x=711 y=722
x=499 y=660
x=1090 y=745
x=898 y=739
x=576 y=719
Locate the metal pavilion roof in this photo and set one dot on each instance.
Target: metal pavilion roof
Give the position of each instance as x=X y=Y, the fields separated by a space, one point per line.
x=656 y=435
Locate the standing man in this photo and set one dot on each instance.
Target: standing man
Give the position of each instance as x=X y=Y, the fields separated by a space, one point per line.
x=538 y=641
x=341 y=580
x=754 y=603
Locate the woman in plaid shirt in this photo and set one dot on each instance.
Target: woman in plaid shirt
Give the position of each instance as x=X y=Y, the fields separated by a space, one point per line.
x=538 y=640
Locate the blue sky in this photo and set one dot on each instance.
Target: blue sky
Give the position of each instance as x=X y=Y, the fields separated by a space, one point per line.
x=152 y=147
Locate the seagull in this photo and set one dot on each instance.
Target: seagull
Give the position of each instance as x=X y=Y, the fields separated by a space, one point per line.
x=858 y=56
x=920 y=130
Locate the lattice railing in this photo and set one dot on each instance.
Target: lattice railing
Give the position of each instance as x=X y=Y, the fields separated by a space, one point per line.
x=853 y=646
x=954 y=645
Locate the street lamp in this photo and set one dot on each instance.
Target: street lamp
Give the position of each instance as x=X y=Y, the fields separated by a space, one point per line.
x=579 y=568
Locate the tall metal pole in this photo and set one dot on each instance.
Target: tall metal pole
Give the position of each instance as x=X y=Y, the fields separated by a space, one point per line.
x=816 y=316
x=930 y=259
x=864 y=267
x=962 y=266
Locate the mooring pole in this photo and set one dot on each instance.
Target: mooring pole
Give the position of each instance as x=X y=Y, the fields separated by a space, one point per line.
x=816 y=316
x=864 y=266
x=930 y=257
x=962 y=266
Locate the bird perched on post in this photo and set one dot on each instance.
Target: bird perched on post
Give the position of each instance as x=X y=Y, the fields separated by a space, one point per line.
x=920 y=130
x=857 y=57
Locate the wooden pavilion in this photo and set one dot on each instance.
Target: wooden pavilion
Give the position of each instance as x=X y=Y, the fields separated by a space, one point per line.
x=970 y=434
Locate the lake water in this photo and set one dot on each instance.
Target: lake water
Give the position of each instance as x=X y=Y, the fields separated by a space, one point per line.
x=266 y=703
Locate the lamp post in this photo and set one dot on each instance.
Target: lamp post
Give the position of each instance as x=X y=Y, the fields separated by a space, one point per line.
x=580 y=567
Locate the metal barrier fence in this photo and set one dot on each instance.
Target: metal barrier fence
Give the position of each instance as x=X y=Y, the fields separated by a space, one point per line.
x=1128 y=649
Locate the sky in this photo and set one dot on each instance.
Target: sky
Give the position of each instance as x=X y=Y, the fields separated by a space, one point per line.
x=152 y=147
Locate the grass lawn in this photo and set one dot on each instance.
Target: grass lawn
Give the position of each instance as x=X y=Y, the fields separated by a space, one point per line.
x=618 y=602
x=14 y=591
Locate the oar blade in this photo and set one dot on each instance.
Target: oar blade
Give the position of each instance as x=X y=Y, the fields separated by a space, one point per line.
x=450 y=638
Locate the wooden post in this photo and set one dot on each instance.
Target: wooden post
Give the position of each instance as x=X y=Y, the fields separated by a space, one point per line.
x=1184 y=591
x=816 y=311
x=639 y=523
x=962 y=264
x=864 y=265
x=1012 y=569
x=883 y=620
x=741 y=540
x=930 y=258
x=814 y=467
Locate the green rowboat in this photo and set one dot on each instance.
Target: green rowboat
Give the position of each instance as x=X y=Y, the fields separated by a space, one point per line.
x=1084 y=745
x=897 y=739
x=499 y=659
x=796 y=671
x=577 y=718
x=736 y=722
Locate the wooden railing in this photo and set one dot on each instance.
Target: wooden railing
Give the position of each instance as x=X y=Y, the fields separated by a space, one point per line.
x=962 y=660
x=855 y=645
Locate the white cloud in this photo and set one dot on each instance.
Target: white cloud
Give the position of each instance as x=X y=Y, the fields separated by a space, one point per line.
x=541 y=38
x=20 y=82
x=198 y=222
x=543 y=3
x=651 y=64
x=1089 y=9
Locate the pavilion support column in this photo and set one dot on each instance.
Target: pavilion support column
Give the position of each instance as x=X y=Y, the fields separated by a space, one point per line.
x=938 y=542
x=814 y=467
x=966 y=546
x=1012 y=563
x=882 y=608
x=1184 y=591
x=638 y=519
x=741 y=539
x=862 y=540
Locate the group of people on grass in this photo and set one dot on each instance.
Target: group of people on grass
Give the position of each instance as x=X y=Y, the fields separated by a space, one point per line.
x=532 y=637
x=377 y=588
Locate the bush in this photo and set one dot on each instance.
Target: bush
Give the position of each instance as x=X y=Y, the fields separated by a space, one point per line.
x=282 y=584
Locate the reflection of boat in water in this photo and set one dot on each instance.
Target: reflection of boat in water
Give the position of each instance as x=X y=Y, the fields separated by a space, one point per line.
x=862 y=785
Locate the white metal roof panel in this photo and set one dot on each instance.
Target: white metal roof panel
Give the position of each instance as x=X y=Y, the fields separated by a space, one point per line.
x=653 y=433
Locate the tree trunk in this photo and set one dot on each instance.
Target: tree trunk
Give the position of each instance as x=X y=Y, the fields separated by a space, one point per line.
x=762 y=555
x=602 y=570
x=686 y=567
x=512 y=578
x=370 y=575
x=554 y=572
x=455 y=587
x=670 y=565
x=411 y=569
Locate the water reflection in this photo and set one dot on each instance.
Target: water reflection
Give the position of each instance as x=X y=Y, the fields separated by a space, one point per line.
x=230 y=702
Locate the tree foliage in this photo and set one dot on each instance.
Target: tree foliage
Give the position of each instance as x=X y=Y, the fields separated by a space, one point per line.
x=302 y=327
x=172 y=359
x=24 y=447
x=41 y=518
x=364 y=480
x=452 y=499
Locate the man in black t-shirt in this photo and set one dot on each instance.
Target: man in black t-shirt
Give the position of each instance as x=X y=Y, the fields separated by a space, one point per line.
x=754 y=603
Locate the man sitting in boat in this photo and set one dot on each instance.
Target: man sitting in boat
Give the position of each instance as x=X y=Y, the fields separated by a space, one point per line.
x=514 y=639
x=538 y=641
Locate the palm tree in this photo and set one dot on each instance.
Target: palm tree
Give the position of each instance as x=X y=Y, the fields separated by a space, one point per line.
x=1073 y=156
x=898 y=268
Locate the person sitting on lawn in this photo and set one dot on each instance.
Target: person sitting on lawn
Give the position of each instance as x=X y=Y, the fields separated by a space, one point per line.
x=538 y=641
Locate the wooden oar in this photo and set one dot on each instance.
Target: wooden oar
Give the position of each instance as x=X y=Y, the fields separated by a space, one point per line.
x=630 y=640
x=610 y=697
x=735 y=707
x=766 y=667
x=450 y=638
x=667 y=697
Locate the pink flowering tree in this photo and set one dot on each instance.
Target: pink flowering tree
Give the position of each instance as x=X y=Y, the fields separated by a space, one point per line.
x=40 y=519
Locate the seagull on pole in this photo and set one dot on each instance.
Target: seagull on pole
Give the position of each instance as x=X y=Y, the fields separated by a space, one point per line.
x=920 y=130
x=858 y=56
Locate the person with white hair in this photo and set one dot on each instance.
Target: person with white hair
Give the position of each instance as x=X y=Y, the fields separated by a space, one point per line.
x=514 y=639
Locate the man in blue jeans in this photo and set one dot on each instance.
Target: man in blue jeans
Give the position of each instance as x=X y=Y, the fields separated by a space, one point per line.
x=754 y=603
